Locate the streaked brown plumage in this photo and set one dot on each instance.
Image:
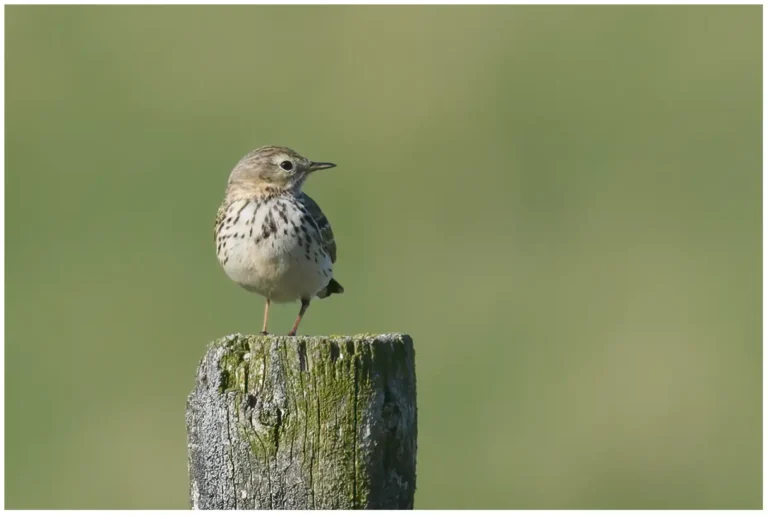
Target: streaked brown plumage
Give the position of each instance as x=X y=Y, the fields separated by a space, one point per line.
x=272 y=238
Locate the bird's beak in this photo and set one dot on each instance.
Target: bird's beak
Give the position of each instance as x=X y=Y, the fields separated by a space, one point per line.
x=319 y=166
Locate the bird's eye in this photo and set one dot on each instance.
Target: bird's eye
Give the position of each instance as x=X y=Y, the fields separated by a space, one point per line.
x=287 y=166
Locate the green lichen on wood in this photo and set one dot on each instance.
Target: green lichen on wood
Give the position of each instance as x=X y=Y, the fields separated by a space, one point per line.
x=329 y=421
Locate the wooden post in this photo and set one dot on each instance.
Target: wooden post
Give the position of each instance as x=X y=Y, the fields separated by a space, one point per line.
x=277 y=422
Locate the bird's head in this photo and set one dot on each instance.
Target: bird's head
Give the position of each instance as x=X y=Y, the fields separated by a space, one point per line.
x=272 y=169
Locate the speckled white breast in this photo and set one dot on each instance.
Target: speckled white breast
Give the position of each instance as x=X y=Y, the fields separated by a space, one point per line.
x=272 y=248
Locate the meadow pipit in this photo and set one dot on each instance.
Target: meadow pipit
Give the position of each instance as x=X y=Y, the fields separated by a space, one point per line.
x=272 y=238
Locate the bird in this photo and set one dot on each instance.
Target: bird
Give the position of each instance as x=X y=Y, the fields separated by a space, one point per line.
x=272 y=238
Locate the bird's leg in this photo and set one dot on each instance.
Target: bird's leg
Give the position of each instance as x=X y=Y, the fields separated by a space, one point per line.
x=266 y=316
x=304 y=306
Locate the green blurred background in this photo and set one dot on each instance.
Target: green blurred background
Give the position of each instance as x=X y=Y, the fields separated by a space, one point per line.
x=561 y=204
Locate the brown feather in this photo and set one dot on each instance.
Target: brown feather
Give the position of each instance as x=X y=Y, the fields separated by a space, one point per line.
x=323 y=226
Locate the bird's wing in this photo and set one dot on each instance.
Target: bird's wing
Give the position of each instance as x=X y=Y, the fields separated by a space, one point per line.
x=323 y=226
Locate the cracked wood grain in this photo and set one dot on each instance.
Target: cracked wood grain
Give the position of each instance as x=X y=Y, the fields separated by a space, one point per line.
x=277 y=422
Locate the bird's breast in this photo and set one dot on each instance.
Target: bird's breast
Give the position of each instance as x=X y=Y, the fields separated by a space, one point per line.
x=272 y=248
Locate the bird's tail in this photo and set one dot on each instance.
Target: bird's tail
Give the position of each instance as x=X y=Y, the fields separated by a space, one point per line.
x=333 y=287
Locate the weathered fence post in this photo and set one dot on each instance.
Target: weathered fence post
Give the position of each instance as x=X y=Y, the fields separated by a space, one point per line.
x=304 y=423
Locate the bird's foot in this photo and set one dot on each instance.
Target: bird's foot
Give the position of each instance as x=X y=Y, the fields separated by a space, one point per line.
x=292 y=333
x=264 y=333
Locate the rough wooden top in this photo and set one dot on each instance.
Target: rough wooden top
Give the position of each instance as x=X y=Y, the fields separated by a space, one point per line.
x=304 y=422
